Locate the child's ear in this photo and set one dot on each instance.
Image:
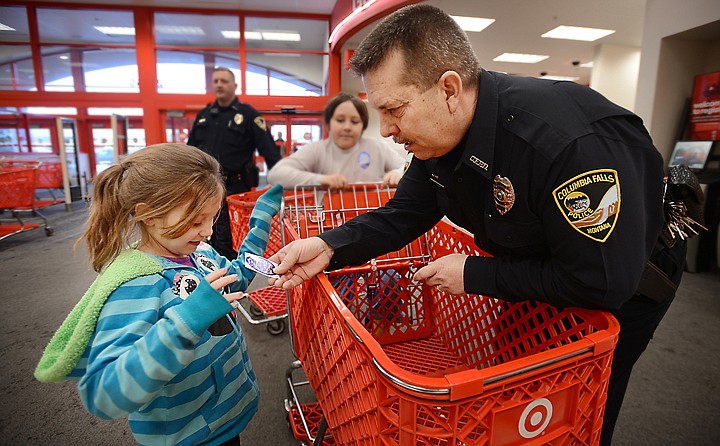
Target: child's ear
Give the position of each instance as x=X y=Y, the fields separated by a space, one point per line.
x=142 y=208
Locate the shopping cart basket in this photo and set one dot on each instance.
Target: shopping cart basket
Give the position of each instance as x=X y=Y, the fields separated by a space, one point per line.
x=418 y=366
x=48 y=178
x=267 y=305
x=17 y=194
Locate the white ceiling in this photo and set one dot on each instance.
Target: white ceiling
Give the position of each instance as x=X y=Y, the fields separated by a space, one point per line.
x=517 y=28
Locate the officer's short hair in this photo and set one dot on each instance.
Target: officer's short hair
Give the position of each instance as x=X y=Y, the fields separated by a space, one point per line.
x=343 y=97
x=430 y=42
x=232 y=75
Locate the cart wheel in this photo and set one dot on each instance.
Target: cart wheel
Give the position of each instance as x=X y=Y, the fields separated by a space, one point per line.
x=276 y=327
x=255 y=311
x=49 y=231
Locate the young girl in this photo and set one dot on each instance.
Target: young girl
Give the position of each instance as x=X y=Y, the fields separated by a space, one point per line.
x=152 y=339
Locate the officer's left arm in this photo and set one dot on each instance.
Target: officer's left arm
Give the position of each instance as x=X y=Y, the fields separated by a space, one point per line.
x=601 y=212
x=264 y=141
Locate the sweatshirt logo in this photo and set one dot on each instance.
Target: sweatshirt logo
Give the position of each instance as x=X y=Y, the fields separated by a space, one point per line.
x=590 y=202
x=184 y=284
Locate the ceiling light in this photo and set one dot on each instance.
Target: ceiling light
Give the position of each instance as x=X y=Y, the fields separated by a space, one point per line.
x=588 y=64
x=4 y=27
x=520 y=58
x=474 y=24
x=64 y=57
x=249 y=35
x=116 y=30
x=283 y=54
x=577 y=33
x=186 y=30
x=281 y=36
x=559 y=78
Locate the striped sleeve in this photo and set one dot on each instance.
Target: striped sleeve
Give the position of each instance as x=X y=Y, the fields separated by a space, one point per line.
x=139 y=346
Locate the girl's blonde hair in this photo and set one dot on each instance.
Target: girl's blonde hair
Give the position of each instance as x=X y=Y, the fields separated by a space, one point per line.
x=162 y=177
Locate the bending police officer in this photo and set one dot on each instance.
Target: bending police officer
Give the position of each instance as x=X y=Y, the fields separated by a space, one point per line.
x=562 y=186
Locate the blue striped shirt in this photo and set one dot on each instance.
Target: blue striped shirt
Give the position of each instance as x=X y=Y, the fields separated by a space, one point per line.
x=153 y=359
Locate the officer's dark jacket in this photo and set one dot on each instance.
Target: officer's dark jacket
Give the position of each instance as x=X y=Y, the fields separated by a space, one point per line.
x=231 y=135
x=566 y=150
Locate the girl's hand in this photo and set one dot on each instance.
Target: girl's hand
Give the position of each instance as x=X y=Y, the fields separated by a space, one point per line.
x=218 y=280
x=335 y=181
x=391 y=178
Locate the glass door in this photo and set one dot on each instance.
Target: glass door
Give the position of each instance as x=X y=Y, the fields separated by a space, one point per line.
x=75 y=165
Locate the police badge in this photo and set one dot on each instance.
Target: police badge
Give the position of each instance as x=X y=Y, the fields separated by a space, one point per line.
x=504 y=194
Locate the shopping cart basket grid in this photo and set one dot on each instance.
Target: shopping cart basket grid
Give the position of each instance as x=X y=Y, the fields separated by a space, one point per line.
x=393 y=362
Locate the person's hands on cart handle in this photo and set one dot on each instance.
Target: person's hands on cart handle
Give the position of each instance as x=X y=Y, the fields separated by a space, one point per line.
x=299 y=261
x=446 y=274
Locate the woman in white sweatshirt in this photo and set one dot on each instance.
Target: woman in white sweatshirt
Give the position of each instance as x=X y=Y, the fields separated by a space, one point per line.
x=345 y=157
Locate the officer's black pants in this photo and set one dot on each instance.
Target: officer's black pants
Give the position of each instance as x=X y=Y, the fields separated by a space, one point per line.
x=638 y=317
x=221 y=238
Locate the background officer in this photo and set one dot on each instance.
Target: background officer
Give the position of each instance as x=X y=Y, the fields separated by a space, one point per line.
x=230 y=131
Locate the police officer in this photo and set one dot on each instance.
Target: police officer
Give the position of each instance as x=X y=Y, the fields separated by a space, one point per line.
x=563 y=187
x=230 y=131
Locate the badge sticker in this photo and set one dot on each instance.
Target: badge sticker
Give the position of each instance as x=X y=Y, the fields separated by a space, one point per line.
x=590 y=202
x=238 y=119
x=504 y=194
x=260 y=265
x=260 y=122
x=363 y=160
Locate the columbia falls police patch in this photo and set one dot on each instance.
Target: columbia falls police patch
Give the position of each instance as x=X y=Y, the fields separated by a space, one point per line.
x=590 y=202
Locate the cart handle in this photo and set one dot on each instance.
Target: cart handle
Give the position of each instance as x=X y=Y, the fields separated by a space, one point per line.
x=449 y=391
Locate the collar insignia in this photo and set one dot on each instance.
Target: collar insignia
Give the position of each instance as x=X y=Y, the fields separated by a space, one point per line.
x=504 y=194
x=478 y=162
x=590 y=202
x=408 y=160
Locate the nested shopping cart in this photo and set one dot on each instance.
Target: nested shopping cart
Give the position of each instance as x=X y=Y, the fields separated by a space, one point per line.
x=17 y=195
x=268 y=305
x=395 y=362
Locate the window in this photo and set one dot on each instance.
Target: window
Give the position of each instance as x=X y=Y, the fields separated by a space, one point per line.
x=93 y=50
x=16 y=67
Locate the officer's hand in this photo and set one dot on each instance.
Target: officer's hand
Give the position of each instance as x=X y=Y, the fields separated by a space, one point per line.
x=335 y=181
x=445 y=273
x=299 y=261
x=391 y=178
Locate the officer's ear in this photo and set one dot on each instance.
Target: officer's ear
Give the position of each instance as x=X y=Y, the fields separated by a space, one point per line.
x=451 y=85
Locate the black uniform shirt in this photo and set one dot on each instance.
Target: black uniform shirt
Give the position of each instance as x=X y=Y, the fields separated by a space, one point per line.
x=587 y=186
x=231 y=135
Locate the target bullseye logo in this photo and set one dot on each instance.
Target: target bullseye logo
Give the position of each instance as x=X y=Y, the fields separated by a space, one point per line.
x=535 y=418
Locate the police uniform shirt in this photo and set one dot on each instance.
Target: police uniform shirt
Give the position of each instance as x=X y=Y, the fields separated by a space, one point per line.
x=579 y=197
x=231 y=135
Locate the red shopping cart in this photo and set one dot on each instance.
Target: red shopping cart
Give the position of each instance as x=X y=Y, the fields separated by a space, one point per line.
x=395 y=362
x=17 y=194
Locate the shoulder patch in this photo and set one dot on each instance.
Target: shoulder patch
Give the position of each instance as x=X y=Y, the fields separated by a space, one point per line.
x=590 y=202
x=260 y=122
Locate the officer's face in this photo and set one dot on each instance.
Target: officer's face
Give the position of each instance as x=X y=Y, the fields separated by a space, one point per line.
x=418 y=119
x=346 y=125
x=223 y=86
